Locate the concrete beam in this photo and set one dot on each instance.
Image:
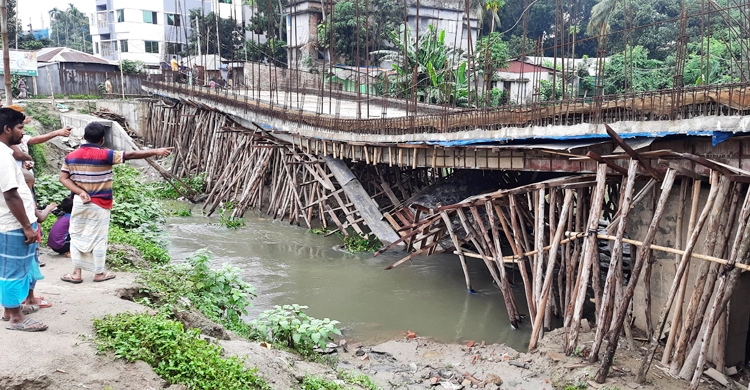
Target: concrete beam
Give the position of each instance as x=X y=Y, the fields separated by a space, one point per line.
x=366 y=207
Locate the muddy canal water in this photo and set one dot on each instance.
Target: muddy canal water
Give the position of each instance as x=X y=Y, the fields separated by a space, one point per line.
x=287 y=264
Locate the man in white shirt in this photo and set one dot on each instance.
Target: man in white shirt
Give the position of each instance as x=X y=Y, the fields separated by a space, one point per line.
x=18 y=234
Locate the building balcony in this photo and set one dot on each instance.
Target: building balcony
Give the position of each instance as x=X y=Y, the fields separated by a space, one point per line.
x=102 y=22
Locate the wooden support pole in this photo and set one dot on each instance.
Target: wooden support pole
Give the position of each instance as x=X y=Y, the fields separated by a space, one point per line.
x=608 y=300
x=457 y=245
x=739 y=251
x=588 y=259
x=622 y=310
x=549 y=275
x=700 y=280
x=667 y=354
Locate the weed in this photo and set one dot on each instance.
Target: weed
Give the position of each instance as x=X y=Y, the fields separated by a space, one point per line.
x=83 y=97
x=46 y=226
x=134 y=203
x=226 y=219
x=179 y=356
x=578 y=352
x=610 y=388
x=362 y=380
x=164 y=190
x=40 y=113
x=151 y=249
x=220 y=294
x=361 y=243
x=317 y=382
x=48 y=189
x=84 y=111
x=290 y=326
x=182 y=213
x=319 y=231
x=579 y=385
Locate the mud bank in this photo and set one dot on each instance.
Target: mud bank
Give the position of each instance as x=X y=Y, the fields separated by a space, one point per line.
x=65 y=356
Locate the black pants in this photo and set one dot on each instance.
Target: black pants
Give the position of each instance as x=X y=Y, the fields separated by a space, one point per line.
x=65 y=249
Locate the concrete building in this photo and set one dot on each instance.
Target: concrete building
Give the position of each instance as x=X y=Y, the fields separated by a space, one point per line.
x=142 y=30
x=303 y=17
x=447 y=15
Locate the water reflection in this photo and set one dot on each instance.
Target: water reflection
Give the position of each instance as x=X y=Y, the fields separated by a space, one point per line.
x=289 y=265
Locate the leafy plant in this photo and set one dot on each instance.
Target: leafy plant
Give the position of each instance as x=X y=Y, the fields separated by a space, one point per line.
x=220 y=294
x=151 y=249
x=361 y=243
x=362 y=380
x=46 y=226
x=227 y=219
x=318 y=382
x=48 y=189
x=134 y=203
x=578 y=352
x=39 y=111
x=183 y=213
x=290 y=326
x=83 y=97
x=164 y=190
x=179 y=356
x=132 y=67
x=319 y=231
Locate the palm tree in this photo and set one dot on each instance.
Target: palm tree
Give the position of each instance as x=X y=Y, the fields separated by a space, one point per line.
x=599 y=15
x=54 y=15
x=482 y=8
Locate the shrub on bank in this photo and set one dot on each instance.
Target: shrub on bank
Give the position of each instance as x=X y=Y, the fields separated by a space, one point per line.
x=291 y=327
x=220 y=294
x=178 y=356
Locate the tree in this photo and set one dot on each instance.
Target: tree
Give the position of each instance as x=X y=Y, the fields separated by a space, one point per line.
x=491 y=56
x=643 y=74
x=375 y=22
x=14 y=24
x=231 y=42
x=269 y=19
x=70 y=28
x=429 y=69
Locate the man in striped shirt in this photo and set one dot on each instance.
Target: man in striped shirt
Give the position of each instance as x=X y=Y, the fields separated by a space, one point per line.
x=87 y=172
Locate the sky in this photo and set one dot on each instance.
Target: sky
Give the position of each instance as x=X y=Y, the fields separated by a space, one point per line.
x=38 y=9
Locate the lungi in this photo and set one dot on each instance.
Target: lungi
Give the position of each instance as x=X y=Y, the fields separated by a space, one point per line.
x=16 y=265
x=89 y=231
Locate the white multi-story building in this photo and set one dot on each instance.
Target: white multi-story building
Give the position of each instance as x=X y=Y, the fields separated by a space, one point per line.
x=151 y=31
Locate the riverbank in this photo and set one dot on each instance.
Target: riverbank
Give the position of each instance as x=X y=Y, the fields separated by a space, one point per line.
x=65 y=356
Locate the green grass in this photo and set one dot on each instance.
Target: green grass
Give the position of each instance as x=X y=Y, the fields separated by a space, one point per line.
x=41 y=113
x=178 y=356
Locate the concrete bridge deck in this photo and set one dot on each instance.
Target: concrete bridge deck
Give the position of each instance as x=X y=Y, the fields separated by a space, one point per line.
x=552 y=147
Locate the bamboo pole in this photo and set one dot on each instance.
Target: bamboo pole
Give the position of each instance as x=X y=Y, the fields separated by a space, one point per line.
x=588 y=258
x=457 y=245
x=605 y=314
x=614 y=337
x=700 y=281
x=667 y=354
x=739 y=251
x=544 y=294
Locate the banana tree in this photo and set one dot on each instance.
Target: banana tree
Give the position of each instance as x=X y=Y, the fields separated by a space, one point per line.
x=423 y=68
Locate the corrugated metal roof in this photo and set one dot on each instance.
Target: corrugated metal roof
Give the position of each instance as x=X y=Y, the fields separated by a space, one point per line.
x=65 y=54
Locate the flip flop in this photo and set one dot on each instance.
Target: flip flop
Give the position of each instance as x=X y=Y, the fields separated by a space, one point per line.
x=107 y=276
x=70 y=279
x=28 y=325
x=44 y=304
x=26 y=309
x=29 y=309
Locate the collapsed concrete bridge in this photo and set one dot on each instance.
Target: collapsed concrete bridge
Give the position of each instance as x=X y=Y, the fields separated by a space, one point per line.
x=640 y=198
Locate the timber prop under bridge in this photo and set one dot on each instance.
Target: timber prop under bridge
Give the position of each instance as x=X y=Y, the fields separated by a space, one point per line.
x=583 y=200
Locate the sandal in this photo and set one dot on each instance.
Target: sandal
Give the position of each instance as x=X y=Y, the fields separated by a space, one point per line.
x=68 y=278
x=28 y=325
x=107 y=276
x=26 y=309
x=44 y=304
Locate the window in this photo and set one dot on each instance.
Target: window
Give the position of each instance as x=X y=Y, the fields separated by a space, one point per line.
x=225 y=1
x=124 y=45
x=114 y=46
x=152 y=47
x=174 y=48
x=173 y=20
x=120 y=15
x=149 y=17
x=96 y=48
